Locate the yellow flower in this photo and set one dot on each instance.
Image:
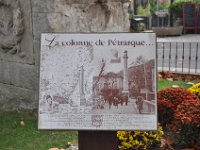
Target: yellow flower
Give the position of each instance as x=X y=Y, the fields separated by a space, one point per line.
x=195 y=89
x=138 y=139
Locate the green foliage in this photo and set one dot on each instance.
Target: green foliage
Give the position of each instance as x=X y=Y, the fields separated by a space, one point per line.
x=164 y=7
x=176 y=9
x=140 y=140
x=15 y=136
x=195 y=1
x=189 y=135
x=153 y=6
x=141 y=11
x=141 y=26
x=130 y=16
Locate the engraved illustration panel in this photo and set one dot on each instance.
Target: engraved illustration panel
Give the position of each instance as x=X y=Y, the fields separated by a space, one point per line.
x=98 y=81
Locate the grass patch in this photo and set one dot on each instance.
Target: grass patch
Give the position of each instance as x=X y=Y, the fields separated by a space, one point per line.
x=14 y=136
x=162 y=84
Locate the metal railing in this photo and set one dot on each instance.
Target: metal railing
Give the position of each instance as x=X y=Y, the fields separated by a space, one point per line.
x=179 y=57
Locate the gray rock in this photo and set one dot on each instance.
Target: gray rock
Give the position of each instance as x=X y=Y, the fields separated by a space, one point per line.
x=19 y=35
x=100 y=17
x=19 y=67
x=15 y=98
x=20 y=75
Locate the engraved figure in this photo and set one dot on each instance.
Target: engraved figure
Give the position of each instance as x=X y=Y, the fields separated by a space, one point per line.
x=139 y=103
x=11 y=27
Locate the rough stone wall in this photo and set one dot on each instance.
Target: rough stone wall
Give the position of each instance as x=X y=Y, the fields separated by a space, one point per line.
x=22 y=22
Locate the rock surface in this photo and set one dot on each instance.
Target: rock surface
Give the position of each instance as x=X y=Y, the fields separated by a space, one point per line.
x=23 y=22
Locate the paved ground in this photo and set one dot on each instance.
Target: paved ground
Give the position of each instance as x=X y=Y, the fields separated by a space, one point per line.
x=131 y=108
x=182 y=38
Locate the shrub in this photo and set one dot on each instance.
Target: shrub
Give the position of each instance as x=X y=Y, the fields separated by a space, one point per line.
x=187 y=122
x=140 y=140
x=188 y=112
x=189 y=135
x=195 y=89
x=168 y=100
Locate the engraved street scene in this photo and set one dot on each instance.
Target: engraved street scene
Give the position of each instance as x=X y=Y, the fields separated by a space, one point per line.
x=93 y=78
x=117 y=90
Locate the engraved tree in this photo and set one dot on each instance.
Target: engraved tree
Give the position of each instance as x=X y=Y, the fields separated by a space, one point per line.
x=102 y=68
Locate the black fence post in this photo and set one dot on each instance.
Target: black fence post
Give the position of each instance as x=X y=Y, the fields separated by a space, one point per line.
x=170 y=49
x=189 y=56
x=163 y=56
x=183 y=56
x=176 y=57
x=196 y=57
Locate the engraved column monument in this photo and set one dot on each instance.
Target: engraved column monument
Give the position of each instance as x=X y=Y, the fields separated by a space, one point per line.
x=81 y=84
x=125 y=78
x=125 y=73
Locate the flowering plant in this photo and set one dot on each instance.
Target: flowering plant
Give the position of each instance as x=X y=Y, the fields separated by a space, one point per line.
x=188 y=112
x=195 y=89
x=168 y=100
x=187 y=122
x=140 y=140
x=179 y=110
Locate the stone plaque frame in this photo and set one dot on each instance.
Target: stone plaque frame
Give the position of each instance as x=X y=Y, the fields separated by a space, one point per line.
x=99 y=81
